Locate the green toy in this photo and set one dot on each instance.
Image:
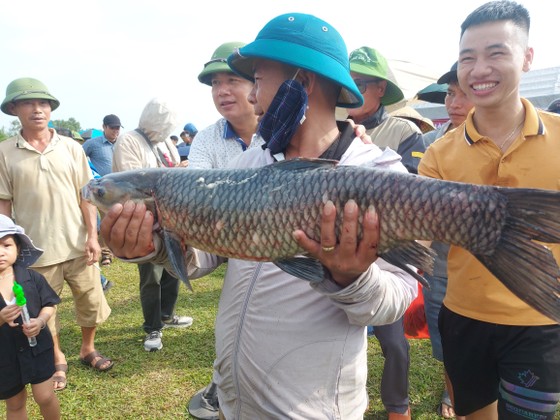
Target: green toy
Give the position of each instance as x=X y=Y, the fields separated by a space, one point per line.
x=22 y=303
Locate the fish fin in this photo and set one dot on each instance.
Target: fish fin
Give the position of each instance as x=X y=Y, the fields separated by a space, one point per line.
x=303 y=164
x=175 y=253
x=304 y=268
x=528 y=269
x=415 y=254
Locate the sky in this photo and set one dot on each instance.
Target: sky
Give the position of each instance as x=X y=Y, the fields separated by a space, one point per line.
x=100 y=57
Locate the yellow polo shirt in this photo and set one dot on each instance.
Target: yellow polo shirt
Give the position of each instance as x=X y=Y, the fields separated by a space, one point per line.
x=532 y=161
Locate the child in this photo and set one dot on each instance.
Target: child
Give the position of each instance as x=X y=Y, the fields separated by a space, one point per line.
x=21 y=364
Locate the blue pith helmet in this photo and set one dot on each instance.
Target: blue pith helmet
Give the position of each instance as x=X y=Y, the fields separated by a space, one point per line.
x=303 y=41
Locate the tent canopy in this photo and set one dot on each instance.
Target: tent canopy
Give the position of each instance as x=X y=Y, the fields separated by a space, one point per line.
x=91 y=133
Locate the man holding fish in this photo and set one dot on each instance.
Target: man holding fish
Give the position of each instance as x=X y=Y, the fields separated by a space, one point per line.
x=277 y=203
x=285 y=347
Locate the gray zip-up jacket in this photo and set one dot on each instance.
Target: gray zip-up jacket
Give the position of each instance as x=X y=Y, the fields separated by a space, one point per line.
x=286 y=349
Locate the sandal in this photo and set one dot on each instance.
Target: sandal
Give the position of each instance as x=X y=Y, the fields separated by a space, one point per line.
x=445 y=400
x=88 y=361
x=107 y=260
x=59 y=378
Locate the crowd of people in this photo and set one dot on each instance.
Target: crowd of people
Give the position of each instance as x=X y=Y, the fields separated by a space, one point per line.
x=286 y=348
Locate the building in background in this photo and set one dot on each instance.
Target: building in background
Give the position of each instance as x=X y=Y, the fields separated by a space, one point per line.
x=541 y=87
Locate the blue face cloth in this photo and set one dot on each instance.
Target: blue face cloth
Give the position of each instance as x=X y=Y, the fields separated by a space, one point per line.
x=285 y=114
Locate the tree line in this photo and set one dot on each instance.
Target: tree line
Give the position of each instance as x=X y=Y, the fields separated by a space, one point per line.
x=15 y=127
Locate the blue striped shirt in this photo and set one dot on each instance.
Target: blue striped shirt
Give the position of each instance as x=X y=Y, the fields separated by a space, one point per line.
x=100 y=151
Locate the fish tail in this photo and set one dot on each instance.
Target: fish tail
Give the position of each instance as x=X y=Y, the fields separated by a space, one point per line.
x=535 y=213
x=528 y=269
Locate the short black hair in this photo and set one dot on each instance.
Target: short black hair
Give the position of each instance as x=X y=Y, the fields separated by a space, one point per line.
x=554 y=106
x=174 y=138
x=498 y=10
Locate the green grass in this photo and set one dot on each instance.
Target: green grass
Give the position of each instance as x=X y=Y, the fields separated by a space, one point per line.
x=158 y=385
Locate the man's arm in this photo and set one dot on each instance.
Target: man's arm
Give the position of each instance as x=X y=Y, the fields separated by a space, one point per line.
x=370 y=294
x=6 y=207
x=412 y=150
x=89 y=213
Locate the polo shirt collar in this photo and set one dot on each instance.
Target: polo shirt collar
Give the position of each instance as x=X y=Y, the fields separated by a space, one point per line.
x=229 y=133
x=533 y=125
x=105 y=139
x=21 y=143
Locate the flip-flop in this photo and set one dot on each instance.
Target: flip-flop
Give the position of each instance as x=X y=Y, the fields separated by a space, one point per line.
x=445 y=399
x=106 y=260
x=59 y=378
x=88 y=359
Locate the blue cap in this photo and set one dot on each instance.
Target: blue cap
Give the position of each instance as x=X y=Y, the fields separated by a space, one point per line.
x=191 y=129
x=303 y=41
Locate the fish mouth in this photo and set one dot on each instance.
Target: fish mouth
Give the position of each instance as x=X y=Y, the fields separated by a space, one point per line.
x=94 y=193
x=86 y=192
x=111 y=189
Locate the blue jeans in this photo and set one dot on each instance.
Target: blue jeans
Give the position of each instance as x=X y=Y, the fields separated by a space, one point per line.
x=433 y=299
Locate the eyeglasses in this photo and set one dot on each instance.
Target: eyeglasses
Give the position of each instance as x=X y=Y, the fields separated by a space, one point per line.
x=362 y=84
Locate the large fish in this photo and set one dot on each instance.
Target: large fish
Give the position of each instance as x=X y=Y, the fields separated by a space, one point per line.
x=251 y=214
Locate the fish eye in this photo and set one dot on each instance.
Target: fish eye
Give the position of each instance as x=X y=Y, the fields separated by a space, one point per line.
x=100 y=193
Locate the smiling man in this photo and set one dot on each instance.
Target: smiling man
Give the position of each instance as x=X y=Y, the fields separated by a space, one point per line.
x=511 y=350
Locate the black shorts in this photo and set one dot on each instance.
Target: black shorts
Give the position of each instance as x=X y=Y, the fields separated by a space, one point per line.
x=27 y=369
x=517 y=366
x=12 y=392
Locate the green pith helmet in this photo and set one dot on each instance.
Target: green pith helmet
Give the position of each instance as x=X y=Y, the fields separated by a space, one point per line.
x=370 y=62
x=218 y=62
x=27 y=88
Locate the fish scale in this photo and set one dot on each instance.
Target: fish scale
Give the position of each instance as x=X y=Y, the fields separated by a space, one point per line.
x=251 y=214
